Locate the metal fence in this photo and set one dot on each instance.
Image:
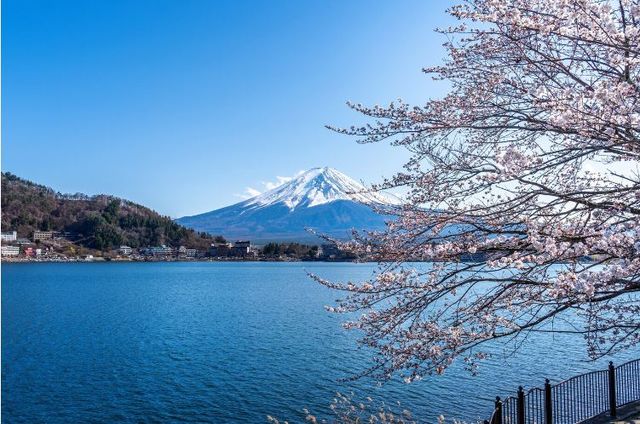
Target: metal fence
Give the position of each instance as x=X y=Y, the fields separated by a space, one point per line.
x=573 y=400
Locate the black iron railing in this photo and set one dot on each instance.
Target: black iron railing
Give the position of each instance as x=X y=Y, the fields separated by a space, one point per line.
x=574 y=400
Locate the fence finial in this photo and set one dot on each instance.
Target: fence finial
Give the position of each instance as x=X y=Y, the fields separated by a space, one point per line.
x=548 y=402
x=613 y=401
x=520 y=406
x=497 y=413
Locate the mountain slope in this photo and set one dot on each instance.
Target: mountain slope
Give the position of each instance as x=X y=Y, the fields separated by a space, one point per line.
x=104 y=222
x=318 y=186
x=321 y=199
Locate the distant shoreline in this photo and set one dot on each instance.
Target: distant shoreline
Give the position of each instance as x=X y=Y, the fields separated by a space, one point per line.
x=102 y=260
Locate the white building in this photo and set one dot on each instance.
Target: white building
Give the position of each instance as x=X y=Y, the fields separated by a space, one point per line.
x=158 y=251
x=125 y=250
x=9 y=236
x=10 y=250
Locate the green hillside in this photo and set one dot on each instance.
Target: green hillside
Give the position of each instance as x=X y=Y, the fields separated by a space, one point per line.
x=100 y=222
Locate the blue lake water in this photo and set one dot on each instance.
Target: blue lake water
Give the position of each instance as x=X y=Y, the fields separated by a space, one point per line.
x=217 y=342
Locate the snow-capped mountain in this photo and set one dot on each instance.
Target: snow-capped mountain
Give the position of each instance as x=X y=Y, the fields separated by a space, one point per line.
x=322 y=199
x=318 y=186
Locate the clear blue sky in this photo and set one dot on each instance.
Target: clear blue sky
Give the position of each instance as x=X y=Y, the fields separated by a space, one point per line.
x=180 y=105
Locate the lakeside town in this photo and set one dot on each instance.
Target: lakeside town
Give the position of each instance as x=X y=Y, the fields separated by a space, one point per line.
x=61 y=246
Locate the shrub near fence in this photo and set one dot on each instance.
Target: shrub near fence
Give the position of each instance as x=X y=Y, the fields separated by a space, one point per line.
x=573 y=400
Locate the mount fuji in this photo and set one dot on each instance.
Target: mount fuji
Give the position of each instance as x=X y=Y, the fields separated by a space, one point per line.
x=322 y=199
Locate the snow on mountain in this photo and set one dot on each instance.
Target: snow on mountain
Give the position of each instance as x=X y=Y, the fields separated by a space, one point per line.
x=322 y=199
x=318 y=186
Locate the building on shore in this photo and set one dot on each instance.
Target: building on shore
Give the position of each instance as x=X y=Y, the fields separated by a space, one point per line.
x=9 y=236
x=42 y=235
x=220 y=250
x=241 y=248
x=23 y=241
x=125 y=250
x=328 y=250
x=10 y=250
x=158 y=251
x=185 y=252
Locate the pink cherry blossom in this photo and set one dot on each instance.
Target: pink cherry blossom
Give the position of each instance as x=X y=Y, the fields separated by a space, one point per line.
x=523 y=189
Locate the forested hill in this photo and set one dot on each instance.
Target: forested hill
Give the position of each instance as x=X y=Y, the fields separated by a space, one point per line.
x=101 y=222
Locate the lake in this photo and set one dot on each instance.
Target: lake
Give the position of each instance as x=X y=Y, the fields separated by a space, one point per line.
x=217 y=342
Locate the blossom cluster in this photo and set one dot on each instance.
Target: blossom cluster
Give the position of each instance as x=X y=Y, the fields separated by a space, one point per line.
x=523 y=190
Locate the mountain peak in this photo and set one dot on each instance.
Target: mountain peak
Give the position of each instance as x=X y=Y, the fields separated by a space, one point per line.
x=318 y=186
x=322 y=199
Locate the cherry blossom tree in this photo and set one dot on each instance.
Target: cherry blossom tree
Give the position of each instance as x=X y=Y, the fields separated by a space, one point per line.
x=522 y=188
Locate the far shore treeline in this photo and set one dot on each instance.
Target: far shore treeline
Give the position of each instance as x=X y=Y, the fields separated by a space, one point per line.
x=104 y=222
x=103 y=225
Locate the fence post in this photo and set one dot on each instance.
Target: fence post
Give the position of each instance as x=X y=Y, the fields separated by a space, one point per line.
x=612 y=390
x=520 y=411
x=548 y=403
x=497 y=413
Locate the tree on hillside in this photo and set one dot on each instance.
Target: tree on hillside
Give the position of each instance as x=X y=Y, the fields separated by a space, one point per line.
x=530 y=165
x=111 y=211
